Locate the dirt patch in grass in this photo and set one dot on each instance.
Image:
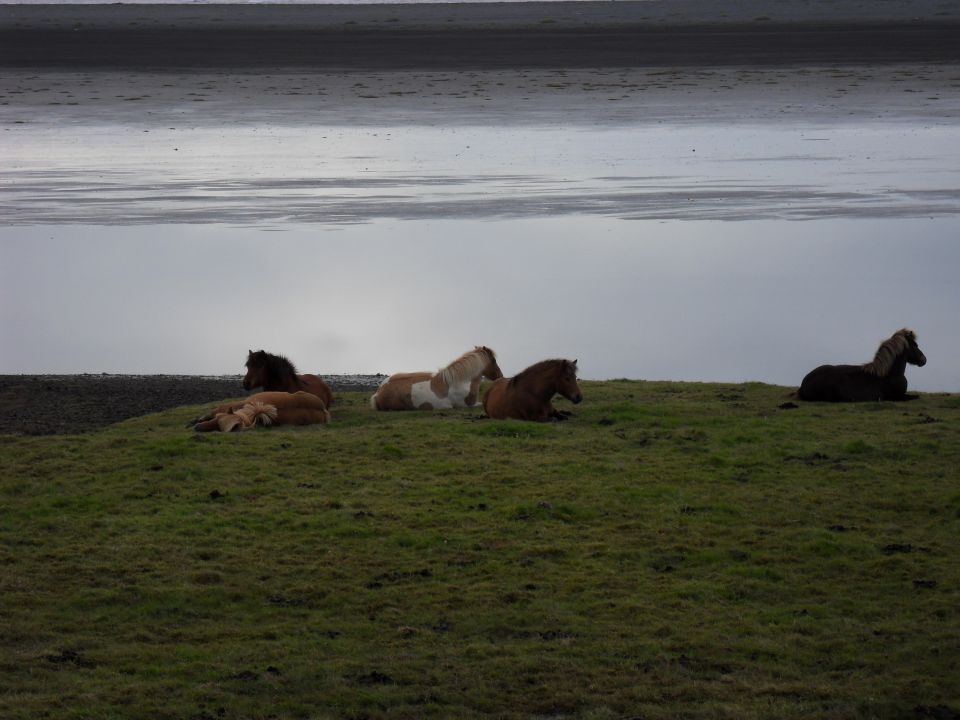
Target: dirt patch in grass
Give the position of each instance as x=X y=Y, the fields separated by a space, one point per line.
x=69 y=404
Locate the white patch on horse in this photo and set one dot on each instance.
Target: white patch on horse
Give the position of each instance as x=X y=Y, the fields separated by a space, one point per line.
x=420 y=393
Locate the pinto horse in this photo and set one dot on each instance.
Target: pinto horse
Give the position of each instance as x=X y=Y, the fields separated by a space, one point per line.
x=274 y=372
x=456 y=385
x=527 y=396
x=882 y=379
x=266 y=408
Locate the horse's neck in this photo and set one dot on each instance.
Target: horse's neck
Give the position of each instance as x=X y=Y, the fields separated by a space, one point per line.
x=899 y=366
x=543 y=387
x=474 y=369
x=285 y=383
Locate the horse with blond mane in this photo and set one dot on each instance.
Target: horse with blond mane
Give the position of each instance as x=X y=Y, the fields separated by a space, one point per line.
x=265 y=409
x=456 y=385
x=882 y=379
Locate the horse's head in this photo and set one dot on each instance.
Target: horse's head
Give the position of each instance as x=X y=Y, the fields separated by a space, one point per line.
x=491 y=371
x=913 y=353
x=567 y=381
x=256 y=369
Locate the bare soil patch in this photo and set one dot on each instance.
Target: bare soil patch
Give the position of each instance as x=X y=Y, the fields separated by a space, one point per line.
x=67 y=404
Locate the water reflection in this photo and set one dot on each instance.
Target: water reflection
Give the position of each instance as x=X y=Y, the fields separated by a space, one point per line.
x=684 y=300
x=124 y=175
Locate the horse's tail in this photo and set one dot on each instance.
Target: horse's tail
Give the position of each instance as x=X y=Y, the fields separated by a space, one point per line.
x=373 y=402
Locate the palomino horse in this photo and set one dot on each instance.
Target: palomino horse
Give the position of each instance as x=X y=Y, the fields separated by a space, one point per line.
x=456 y=385
x=266 y=408
x=527 y=396
x=882 y=379
x=275 y=372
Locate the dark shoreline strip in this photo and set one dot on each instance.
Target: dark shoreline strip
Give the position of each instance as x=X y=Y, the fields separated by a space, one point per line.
x=476 y=48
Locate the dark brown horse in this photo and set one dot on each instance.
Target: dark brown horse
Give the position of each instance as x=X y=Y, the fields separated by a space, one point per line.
x=527 y=396
x=882 y=379
x=265 y=409
x=275 y=372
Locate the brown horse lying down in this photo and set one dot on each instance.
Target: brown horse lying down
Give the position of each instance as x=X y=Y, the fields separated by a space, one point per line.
x=274 y=372
x=527 y=396
x=266 y=408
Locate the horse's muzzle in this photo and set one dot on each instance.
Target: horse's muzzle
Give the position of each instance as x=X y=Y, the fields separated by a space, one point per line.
x=576 y=399
x=922 y=360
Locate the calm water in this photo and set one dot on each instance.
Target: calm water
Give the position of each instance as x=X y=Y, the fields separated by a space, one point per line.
x=734 y=239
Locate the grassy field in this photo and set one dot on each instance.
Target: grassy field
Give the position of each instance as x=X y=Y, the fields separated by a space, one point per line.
x=673 y=551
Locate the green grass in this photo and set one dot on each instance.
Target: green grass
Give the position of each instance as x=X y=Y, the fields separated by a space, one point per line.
x=673 y=551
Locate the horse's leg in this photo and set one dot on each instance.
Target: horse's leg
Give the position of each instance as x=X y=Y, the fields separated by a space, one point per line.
x=207 y=425
x=473 y=392
x=894 y=388
x=222 y=410
x=558 y=415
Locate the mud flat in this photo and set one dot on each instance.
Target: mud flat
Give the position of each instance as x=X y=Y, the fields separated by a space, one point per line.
x=475 y=35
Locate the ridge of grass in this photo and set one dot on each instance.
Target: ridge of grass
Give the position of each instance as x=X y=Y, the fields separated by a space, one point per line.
x=674 y=550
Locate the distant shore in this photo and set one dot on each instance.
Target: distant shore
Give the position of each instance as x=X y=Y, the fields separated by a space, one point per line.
x=478 y=35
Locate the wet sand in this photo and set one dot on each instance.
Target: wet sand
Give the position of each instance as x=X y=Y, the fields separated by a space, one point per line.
x=161 y=113
x=215 y=145
x=478 y=36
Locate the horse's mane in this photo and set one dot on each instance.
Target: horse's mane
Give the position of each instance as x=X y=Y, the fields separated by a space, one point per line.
x=468 y=365
x=536 y=369
x=889 y=351
x=279 y=367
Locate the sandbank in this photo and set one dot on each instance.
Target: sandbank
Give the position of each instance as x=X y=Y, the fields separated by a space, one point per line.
x=479 y=35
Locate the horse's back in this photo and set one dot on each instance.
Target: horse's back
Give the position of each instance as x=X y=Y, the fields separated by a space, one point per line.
x=395 y=392
x=503 y=401
x=814 y=384
x=839 y=383
x=299 y=408
x=316 y=386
